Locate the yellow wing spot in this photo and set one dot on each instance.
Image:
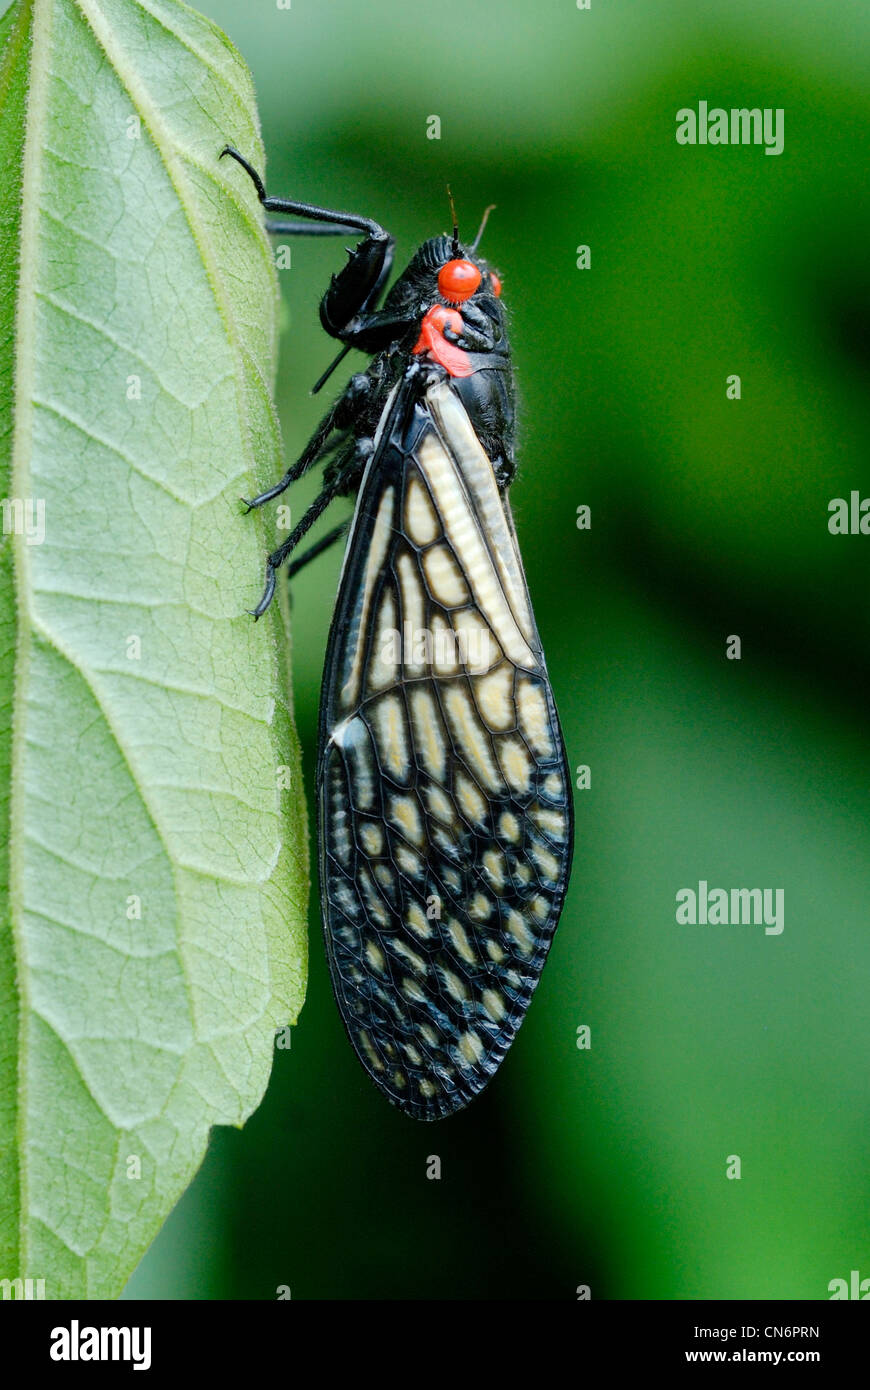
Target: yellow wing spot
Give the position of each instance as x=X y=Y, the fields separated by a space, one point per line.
x=472 y=737
x=470 y=1048
x=480 y=907
x=535 y=717
x=373 y=899
x=495 y=952
x=553 y=785
x=408 y=860
x=516 y=763
x=399 y=1079
x=551 y=822
x=495 y=697
x=477 y=648
x=381 y=532
x=540 y=908
x=372 y=838
x=341 y=834
x=385 y=875
x=428 y=1034
x=412 y=991
x=369 y=1050
x=421 y=518
x=428 y=1089
x=494 y=1004
x=375 y=956
x=347 y=900
x=429 y=739
x=452 y=879
x=418 y=921
x=461 y=942
x=494 y=868
x=455 y=986
x=509 y=826
x=386 y=653
x=547 y=863
x=391 y=735
x=444 y=839
x=413 y=612
x=445 y=658
x=470 y=802
x=440 y=805
x=444 y=577
x=522 y=873
x=520 y=932
x=405 y=814
x=416 y=962
x=412 y=1054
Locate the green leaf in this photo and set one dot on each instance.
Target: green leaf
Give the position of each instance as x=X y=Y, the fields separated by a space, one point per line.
x=153 y=878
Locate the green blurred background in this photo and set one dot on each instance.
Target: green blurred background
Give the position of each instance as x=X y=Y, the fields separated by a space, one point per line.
x=607 y=1167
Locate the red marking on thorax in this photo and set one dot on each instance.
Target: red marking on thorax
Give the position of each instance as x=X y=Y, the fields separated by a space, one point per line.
x=432 y=340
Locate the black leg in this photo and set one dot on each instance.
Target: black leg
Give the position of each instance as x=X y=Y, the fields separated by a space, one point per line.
x=329 y=539
x=248 y=168
x=311 y=454
x=336 y=362
x=316 y=448
x=348 y=306
x=339 y=417
x=346 y=221
x=277 y=558
x=355 y=290
x=303 y=229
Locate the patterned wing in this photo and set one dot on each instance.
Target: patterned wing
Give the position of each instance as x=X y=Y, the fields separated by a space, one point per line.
x=444 y=795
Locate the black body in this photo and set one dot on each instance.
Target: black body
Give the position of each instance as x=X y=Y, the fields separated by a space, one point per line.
x=445 y=818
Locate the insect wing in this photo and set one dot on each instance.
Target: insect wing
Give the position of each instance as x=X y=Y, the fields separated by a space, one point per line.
x=444 y=795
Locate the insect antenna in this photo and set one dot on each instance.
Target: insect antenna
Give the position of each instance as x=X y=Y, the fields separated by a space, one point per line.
x=484 y=220
x=455 y=223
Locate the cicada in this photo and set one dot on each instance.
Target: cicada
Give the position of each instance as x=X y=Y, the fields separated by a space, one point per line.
x=444 y=799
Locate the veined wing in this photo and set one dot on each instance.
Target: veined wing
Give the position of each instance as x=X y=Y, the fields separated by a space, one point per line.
x=444 y=795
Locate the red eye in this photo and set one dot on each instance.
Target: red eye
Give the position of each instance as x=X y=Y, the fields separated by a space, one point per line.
x=496 y=284
x=457 y=281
